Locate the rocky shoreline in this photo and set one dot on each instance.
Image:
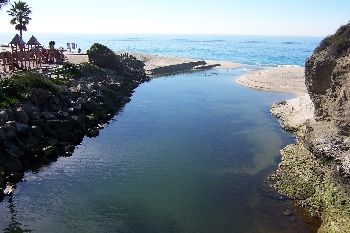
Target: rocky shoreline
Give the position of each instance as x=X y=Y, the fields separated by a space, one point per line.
x=315 y=171
x=35 y=134
x=32 y=135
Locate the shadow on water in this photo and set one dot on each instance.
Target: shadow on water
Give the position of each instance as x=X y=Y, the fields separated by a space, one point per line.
x=14 y=225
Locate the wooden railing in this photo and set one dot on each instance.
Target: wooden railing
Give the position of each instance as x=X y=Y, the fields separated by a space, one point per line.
x=30 y=59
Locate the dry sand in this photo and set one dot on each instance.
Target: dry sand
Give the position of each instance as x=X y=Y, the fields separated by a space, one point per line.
x=293 y=113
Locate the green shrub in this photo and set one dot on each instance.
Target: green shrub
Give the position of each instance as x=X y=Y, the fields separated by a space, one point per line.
x=25 y=86
x=88 y=69
x=104 y=57
x=35 y=80
x=68 y=71
x=72 y=71
x=338 y=43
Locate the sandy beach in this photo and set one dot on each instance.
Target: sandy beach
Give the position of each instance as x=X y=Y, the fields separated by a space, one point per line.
x=292 y=113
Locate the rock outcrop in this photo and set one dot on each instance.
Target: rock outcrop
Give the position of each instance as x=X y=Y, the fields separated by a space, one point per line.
x=328 y=82
x=316 y=170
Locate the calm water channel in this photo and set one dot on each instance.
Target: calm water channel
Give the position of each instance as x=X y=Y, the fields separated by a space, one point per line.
x=189 y=154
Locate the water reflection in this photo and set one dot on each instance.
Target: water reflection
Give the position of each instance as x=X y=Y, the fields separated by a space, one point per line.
x=188 y=154
x=14 y=225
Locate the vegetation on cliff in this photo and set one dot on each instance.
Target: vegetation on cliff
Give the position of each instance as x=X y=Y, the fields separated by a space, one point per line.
x=337 y=44
x=309 y=181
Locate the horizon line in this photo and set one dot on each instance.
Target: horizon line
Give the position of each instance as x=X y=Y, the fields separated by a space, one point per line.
x=164 y=34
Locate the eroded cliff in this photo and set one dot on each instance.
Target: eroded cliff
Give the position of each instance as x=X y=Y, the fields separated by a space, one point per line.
x=328 y=82
x=315 y=172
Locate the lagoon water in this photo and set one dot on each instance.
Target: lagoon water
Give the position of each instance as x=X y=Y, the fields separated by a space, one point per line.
x=189 y=154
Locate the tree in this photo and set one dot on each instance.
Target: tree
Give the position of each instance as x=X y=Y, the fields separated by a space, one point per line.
x=52 y=44
x=20 y=12
x=3 y=2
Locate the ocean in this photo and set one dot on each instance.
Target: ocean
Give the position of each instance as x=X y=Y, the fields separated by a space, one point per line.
x=252 y=50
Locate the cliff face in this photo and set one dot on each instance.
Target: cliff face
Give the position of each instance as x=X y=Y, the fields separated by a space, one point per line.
x=328 y=82
x=315 y=171
x=327 y=77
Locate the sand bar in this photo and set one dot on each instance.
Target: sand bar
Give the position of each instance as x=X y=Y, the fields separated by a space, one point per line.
x=293 y=113
x=277 y=79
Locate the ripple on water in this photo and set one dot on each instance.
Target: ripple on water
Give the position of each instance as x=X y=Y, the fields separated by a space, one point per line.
x=188 y=154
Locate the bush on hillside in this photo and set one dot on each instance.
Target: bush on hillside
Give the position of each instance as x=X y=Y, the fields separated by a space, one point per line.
x=337 y=44
x=71 y=71
x=25 y=86
x=104 y=57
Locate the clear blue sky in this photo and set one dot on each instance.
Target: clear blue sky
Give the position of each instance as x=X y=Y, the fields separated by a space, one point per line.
x=236 y=17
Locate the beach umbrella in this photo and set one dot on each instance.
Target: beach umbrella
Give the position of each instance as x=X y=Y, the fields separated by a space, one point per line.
x=17 y=41
x=33 y=42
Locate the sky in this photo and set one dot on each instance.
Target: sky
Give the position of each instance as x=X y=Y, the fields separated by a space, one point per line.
x=211 y=17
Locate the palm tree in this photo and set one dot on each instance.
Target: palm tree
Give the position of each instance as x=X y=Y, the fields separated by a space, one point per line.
x=3 y=2
x=20 y=12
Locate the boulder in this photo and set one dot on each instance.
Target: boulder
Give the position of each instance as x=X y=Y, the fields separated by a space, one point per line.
x=50 y=151
x=11 y=134
x=3 y=116
x=29 y=108
x=21 y=116
x=36 y=132
x=21 y=128
x=13 y=150
x=15 y=177
x=12 y=165
x=93 y=132
x=2 y=134
x=52 y=141
x=32 y=143
x=48 y=115
x=10 y=114
x=34 y=116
